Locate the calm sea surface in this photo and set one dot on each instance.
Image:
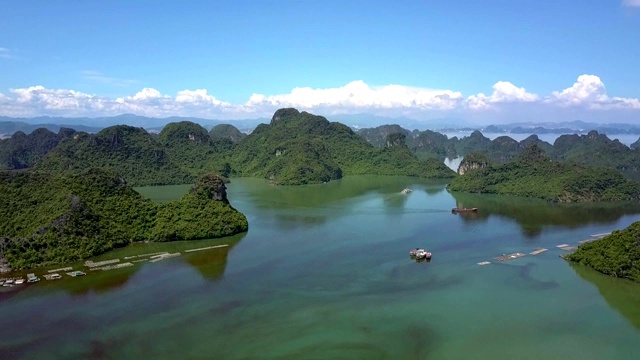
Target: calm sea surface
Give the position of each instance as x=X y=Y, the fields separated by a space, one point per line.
x=324 y=273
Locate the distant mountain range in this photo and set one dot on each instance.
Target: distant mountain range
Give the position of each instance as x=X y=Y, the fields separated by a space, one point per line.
x=10 y=125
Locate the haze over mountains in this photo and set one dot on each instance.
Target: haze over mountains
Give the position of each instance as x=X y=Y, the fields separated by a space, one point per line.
x=10 y=125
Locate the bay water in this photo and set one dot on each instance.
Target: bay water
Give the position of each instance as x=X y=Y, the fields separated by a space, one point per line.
x=324 y=273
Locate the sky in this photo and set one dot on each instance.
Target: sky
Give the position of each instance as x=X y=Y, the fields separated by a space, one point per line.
x=491 y=61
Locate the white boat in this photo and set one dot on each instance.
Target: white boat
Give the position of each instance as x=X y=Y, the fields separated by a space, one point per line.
x=54 y=276
x=421 y=254
x=19 y=281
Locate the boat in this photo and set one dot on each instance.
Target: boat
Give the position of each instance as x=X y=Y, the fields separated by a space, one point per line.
x=19 y=281
x=456 y=210
x=413 y=252
x=54 y=276
x=76 y=273
x=405 y=191
x=32 y=278
x=422 y=254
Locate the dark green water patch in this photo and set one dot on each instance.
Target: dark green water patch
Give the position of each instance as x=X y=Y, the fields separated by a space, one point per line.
x=622 y=295
x=533 y=215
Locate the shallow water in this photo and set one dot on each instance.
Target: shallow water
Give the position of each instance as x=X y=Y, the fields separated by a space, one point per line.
x=324 y=272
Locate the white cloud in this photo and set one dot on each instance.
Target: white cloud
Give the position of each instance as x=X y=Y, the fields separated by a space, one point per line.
x=631 y=3
x=199 y=96
x=147 y=94
x=359 y=95
x=503 y=92
x=589 y=91
x=585 y=99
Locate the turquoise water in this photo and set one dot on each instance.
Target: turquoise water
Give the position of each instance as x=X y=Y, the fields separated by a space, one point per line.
x=324 y=273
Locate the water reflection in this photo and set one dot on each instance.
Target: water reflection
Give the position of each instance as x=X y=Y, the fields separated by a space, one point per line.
x=322 y=195
x=210 y=263
x=622 y=295
x=533 y=215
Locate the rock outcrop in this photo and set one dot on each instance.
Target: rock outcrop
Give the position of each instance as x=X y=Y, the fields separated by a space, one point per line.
x=473 y=161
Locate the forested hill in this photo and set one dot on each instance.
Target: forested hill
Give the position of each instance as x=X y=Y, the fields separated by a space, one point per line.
x=617 y=254
x=191 y=148
x=51 y=217
x=301 y=148
x=592 y=149
x=295 y=148
x=128 y=150
x=22 y=151
x=534 y=174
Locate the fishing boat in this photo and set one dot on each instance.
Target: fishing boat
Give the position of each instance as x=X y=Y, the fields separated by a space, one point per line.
x=413 y=252
x=421 y=254
x=456 y=210
x=54 y=276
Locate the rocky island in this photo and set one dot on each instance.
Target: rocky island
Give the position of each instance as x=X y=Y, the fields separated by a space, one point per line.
x=617 y=254
x=51 y=218
x=534 y=174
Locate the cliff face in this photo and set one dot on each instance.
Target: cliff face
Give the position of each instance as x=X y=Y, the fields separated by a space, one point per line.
x=473 y=161
x=395 y=140
x=212 y=186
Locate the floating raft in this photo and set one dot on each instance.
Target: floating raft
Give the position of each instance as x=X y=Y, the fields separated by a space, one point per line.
x=157 y=258
x=145 y=255
x=569 y=248
x=100 y=263
x=60 y=270
x=207 y=248
x=586 y=241
x=482 y=263
x=538 y=251
x=566 y=247
x=509 y=256
x=111 y=267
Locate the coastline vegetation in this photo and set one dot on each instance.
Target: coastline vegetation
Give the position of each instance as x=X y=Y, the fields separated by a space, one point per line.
x=617 y=254
x=54 y=217
x=534 y=174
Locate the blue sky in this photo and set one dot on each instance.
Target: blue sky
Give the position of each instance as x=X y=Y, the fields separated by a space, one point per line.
x=485 y=61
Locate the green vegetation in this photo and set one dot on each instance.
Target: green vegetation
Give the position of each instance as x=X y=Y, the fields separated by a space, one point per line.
x=128 y=150
x=22 y=151
x=190 y=147
x=203 y=213
x=617 y=254
x=592 y=149
x=534 y=174
x=51 y=218
x=301 y=148
x=598 y=150
x=226 y=132
x=425 y=144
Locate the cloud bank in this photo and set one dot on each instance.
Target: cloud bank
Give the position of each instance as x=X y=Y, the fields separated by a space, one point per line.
x=586 y=99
